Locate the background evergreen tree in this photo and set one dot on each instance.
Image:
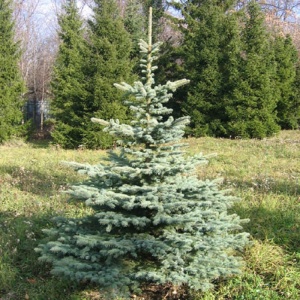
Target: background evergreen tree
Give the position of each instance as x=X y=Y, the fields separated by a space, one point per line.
x=151 y=220
x=108 y=61
x=69 y=104
x=252 y=112
x=295 y=103
x=230 y=68
x=286 y=59
x=170 y=69
x=159 y=7
x=135 y=22
x=209 y=53
x=11 y=84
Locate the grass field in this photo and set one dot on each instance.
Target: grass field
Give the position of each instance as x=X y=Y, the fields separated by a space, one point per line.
x=264 y=174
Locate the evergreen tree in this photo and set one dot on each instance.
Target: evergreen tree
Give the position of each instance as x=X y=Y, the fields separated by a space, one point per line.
x=295 y=103
x=109 y=60
x=252 y=111
x=209 y=52
x=151 y=220
x=286 y=59
x=135 y=23
x=69 y=104
x=158 y=7
x=169 y=69
x=230 y=68
x=11 y=84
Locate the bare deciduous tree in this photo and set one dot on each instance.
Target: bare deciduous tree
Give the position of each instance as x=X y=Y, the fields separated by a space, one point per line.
x=282 y=17
x=36 y=32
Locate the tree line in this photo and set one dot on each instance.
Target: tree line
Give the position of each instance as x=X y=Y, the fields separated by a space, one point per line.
x=242 y=63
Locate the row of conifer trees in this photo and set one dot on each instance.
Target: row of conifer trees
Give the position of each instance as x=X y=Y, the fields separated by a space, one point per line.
x=92 y=57
x=244 y=79
x=11 y=84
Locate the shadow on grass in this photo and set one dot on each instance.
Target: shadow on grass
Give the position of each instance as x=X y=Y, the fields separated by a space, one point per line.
x=267 y=185
x=286 y=188
x=280 y=226
x=40 y=143
x=21 y=273
x=36 y=182
x=274 y=212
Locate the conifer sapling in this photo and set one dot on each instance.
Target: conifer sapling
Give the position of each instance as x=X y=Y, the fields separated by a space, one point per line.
x=152 y=220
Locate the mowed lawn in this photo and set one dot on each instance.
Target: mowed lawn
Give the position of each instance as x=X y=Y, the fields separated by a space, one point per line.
x=265 y=174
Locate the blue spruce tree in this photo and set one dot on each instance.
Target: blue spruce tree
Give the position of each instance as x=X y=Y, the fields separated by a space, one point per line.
x=151 y=220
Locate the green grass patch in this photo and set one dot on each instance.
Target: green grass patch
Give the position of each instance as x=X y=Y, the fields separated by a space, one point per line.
x=265 y=174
